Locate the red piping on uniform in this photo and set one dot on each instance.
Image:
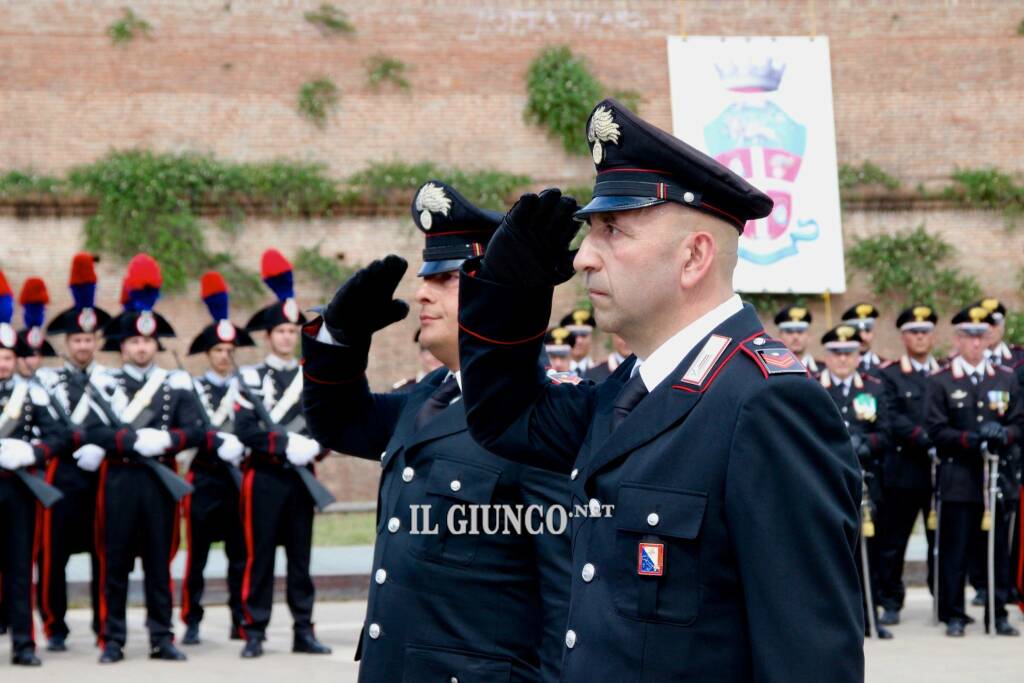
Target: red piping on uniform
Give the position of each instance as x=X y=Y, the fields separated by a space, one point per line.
x=180 y=433
x=915 y=432
x=454 y=232
x=245 y=501
x=76 y=439
x=175 y=541
x=502 y=343
x=186 y=504
x=721 y=365
x=47 y=556
x=759 y=364
x=634 y=170
x=32 y=577
x=271 y=442
x=99 y=528
x=119 y=439
x=705 y=205
x=313 y=379
x=963 y=439
x=1020 y=553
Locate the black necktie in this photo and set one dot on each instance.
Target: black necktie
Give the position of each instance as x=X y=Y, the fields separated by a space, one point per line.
x=975 y=378
x=630 y=394
x=438 y=401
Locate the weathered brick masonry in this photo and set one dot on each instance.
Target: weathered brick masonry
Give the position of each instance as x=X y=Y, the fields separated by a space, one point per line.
x=920 y=88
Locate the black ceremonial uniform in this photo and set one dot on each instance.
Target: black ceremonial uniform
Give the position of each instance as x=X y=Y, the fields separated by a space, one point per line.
x=135 y=514
x=212 y=511
x=957 y=409
x=27 y=415
x=764 y=509
x=907 y=477
x=863 y=404
x=67 y=527
x=276 y=507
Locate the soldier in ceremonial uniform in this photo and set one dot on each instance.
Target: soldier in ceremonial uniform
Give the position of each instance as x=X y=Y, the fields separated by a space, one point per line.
x=620 y=351
x=558 y=345
x=720 y=489
x=211 y=511
x=581 y=323
x=972 y=403
x=67 y=526
x=997 y=351
x=907 y=476
x=793 y=323
x=152 y=415
x=276 y=506
x=32 y=343
x=488 y=606
x=863 y=316
x=864 y=405
x=30 y=435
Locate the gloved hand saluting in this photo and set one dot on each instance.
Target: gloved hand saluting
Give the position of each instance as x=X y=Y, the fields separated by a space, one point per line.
x=366 y=302
x=531 y=246
x=15 y=453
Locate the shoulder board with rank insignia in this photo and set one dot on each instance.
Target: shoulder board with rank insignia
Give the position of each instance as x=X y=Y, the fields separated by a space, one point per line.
x=564 y=377
x=773 y=358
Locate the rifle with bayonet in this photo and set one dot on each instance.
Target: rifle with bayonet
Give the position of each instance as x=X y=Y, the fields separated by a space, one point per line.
x=317 y=491
x=44 y=492
x=175 y=485
x=232 y=470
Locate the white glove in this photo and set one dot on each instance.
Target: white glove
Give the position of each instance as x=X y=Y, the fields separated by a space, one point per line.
x=15 y=453
x=89 y=457
x=230 y=449
x=301 y=449
x=151 y=442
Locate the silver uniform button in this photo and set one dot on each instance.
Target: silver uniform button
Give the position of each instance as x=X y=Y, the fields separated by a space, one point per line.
x=374 y=631
x=453 y=679
x=394 y=524
x=575 y=473
x=570 y=639
x=653 y=519
x=381 y=576
x=588 y=572
x=981 y=419
x=407 y=474
x=981 y=404
x=595 y=507
x=456 y=485
x=688 y=197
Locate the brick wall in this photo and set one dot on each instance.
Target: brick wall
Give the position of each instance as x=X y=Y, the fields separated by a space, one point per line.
x=920 y=87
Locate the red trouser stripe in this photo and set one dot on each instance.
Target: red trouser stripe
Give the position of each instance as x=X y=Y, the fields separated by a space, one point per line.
x=186 y=505
x=245 y=502
x=46 y=550
x=99 y=528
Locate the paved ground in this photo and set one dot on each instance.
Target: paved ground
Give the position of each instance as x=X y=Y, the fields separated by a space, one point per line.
x=918 y=653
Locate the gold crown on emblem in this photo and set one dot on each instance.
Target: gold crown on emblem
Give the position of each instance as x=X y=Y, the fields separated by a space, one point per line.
x=921 y=313
x=978 y=314
x=864 y=310
x=845 y=333
x=580 y=317
x=797 y=314
x=559 y=335
x=990 y=304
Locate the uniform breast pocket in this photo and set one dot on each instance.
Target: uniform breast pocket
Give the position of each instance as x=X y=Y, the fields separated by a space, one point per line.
x=455 y=492
x=657 y=553
x=424 y=664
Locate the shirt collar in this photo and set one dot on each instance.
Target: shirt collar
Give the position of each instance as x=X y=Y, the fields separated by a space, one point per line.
x=137 y=373
x=215 y=379
x=842 y=382
x=280 y=364
x=74 y=369
x=969 y=369
x=927 y=366
x=655 y=368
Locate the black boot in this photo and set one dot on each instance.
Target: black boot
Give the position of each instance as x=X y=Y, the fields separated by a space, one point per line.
x=111 y=654
x=1003 y=627
x=56 y=644
x=191 y=636
x=166 y=651
x=883 y=633
x=253 y=648
x=980 y=598
x=235 y=633
x=955 y=628
x=25 y=657
x=306 y=643
x=890 y=617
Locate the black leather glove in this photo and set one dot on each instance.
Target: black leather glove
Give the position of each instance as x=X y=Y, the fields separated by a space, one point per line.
x=531 y=246
x=861 y=447
x=994 y=433
x=922 y=440
x=973 y=440
x=366 y=303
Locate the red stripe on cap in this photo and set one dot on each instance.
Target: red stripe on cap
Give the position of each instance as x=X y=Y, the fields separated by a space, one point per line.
x=273 y=263
x=634 y=170
x=33 y=291
x=83 y=270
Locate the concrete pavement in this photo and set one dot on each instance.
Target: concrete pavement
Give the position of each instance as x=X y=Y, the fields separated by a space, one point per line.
x=919 y=652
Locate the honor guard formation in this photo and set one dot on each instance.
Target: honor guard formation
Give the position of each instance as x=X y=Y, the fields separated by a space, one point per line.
x=709 y=503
